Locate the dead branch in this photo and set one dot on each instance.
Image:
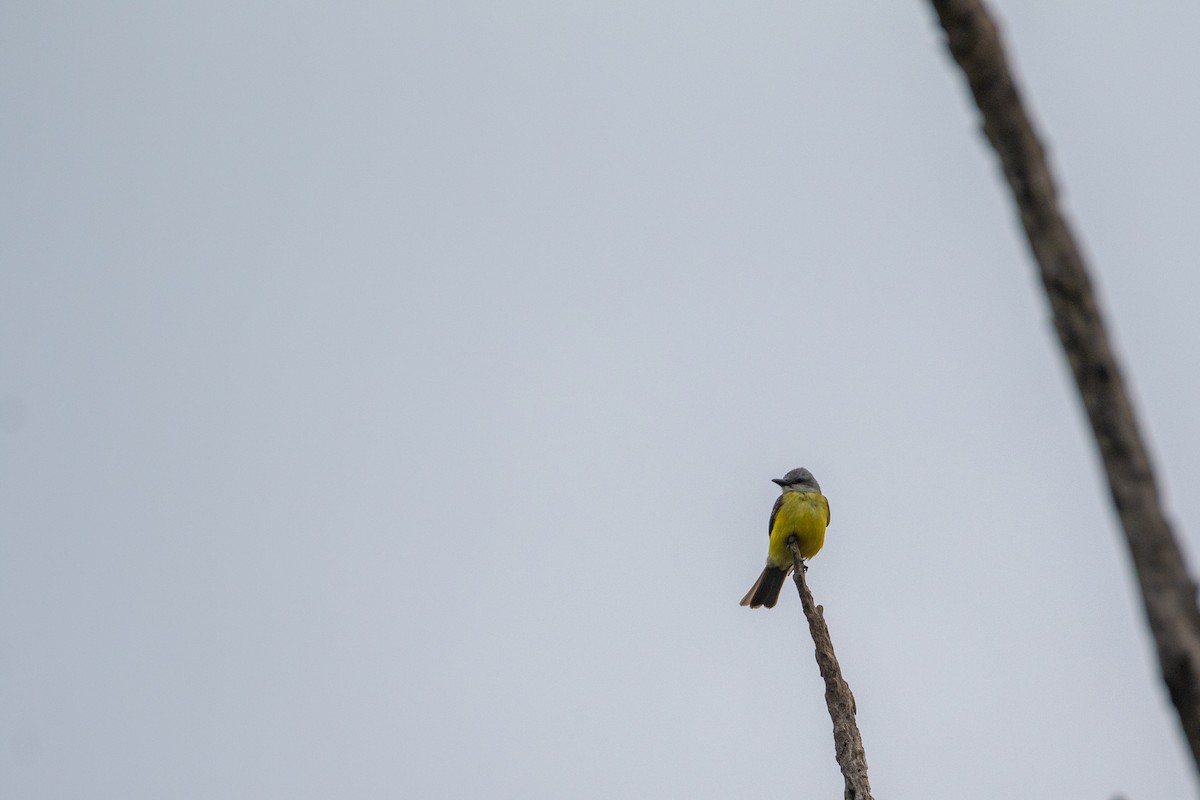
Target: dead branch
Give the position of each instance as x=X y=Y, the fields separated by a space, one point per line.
x=1168 y=592
x=847 y=742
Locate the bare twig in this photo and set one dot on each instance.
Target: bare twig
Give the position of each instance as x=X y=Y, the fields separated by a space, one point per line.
x=1168 y=593
x=847 y=742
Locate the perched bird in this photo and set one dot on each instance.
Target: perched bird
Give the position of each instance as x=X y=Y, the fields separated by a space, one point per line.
x=800 y=511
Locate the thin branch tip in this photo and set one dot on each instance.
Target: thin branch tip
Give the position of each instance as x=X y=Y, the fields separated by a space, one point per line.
x=847 y=740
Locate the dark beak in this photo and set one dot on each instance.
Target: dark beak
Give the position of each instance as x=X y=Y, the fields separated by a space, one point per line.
x=779 y=481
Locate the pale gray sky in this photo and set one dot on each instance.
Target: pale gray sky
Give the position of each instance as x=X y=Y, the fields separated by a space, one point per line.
x=390 y=393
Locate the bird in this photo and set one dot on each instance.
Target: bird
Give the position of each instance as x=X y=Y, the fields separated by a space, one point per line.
x=801 y=511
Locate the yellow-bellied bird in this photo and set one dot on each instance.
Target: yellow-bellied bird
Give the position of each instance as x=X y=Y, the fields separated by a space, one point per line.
x=801 y=511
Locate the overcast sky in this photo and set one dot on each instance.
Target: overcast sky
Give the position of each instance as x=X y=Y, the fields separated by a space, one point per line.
x=389 y=394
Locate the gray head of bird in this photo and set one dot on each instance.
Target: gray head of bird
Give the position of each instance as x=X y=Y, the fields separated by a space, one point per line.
x=798 y=480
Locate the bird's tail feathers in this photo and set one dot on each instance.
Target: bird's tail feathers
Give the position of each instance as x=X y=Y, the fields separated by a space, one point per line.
x=765 y=591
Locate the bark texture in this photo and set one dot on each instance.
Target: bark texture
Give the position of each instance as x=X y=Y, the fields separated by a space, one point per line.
x=1168 y=592
x=847 y=741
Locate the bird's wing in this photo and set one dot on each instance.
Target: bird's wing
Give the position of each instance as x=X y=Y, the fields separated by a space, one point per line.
x=774 y=511
x=825 y=508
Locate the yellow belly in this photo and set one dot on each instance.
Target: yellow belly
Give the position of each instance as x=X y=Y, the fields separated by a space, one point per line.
x=803 y=515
